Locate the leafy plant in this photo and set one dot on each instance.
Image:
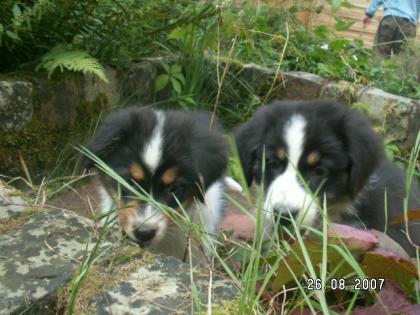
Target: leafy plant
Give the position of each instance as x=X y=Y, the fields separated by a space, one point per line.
x=400 y=74
x=391 y=149
x=31 y=28
x=173 y=76
x=62 y=58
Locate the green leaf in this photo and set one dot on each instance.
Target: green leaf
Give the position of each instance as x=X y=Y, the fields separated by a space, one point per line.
x=342 y=25
x=1 y=34
x=16 y=10
x=13 y=35
x=179 y=76
x=346 y=4
x=399 y=270
x=176 y=85
x=161 y=82
x=166 y=67
x=62 y=57
x=323 y=69
x=177 y=33
x=175 y=69
x=336 y=4
x=183 y=104
x=322 y=32
x=189 y=100
x=293 y=264
x=338 y=44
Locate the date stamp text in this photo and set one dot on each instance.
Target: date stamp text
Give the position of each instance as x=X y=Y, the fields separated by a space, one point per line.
x=355 y=284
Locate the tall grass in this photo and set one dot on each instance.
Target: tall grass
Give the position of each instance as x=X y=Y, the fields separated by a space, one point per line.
x=260 y=259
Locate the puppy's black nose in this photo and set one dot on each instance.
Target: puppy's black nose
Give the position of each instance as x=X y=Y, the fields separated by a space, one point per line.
x=284 y=215
x=144 y=234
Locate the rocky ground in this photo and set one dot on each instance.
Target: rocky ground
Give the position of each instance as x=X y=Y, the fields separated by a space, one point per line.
x=43 y=251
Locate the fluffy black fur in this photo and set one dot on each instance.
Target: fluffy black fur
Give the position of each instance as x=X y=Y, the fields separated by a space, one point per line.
x=195 y=154
x=353 y=168
x=198 y=153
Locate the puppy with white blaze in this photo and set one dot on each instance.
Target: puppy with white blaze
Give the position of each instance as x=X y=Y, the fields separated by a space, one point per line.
x=324 y=148
x=172 y=156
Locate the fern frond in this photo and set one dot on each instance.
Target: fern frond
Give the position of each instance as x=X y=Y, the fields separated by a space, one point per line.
x=60 y=57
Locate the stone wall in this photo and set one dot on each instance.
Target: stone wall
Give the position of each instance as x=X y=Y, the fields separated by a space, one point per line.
x=41 y=118
x=396 y=117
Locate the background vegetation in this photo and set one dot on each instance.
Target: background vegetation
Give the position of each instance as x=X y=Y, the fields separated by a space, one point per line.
x=85 y=35
x=204 y=40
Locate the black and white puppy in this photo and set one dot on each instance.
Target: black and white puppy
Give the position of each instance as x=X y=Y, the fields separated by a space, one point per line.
x=335 y=151
x=174 y=157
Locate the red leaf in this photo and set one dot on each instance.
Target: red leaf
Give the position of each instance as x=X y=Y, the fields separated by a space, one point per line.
x=391 y=300
x=354 y=238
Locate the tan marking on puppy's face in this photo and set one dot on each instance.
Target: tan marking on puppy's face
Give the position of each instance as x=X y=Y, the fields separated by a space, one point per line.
x=281 y=153
x=169 y=176
x=313 y=157
x=127 y=215
x=136 y=171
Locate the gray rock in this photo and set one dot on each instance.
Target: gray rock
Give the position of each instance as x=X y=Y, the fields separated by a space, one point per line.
x=256 y=76
x=399 y=116
x=393 y=112
x=12 y=202
x=15 y=105
x=42 y=252
x=137 y=83
x=95 y=87
x=39 y=258
x=341 y=91
x=163 y=287
x=300 y=85
x=59 y=100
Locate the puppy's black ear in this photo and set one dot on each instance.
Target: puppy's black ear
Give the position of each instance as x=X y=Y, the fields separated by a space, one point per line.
x=364 y=147
x=106 y=139
x=210 y=151
x=248 y=138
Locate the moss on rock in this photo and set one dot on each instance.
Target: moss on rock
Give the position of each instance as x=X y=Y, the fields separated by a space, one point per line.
x=17 y=221
x=40 y=144
x=105 y=275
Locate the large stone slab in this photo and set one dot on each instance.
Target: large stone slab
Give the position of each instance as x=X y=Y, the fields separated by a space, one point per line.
x=395 y=113
x=301 y=85
x=12 y=202
x=137 y=83
x=41 y=251
x=341 y=91
x=131 y=84
x=39 y=257
x=163 y=287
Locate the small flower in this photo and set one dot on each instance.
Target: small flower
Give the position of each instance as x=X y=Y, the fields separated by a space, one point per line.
x=324 y=46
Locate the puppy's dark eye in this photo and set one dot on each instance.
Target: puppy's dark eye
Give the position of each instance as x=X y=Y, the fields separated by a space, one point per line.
x=321 y=171
x=274 y=164
x=175 y=188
